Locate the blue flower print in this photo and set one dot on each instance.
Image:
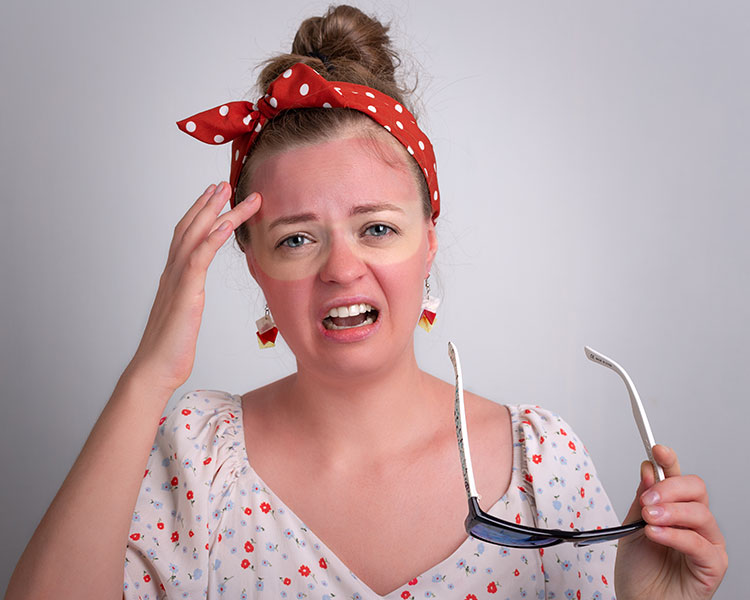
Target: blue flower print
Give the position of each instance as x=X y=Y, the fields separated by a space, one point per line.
x=288 y=533
x=259 y=585
x=461 y=564
x=151 y=553
x=256 y=488
x=229 y=533
x=570 y=594
x=157 y=505
x=356 y=596
x=197 y=574
x=187 y=463
x=563 y=461
x=165 y=462
x=504 y=552
x=556 y=504
x=587 y=556
x=216 y=514
x=222 y=588
x=217 y=564
x=173 y=568
x=270 y=547
x=437 y=578
x=243 y=595
x=480 y=548
x=566 y=564
x=597 y=596
x=300 y=595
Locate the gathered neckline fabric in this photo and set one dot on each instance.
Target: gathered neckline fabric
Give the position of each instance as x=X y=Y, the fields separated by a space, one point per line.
x=206 y=525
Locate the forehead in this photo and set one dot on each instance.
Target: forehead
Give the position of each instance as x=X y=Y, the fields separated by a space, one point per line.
x=334 y=175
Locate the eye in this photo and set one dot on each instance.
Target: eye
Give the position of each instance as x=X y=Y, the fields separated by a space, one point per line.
x=379 y=230
x=295 y=241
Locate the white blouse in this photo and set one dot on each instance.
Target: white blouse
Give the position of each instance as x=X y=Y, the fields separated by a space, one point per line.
x=205 y=524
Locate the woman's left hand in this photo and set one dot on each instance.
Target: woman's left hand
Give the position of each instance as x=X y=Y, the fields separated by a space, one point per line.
x=681 y=553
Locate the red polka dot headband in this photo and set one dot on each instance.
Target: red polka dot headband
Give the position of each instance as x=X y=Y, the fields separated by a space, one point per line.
x=302 y=87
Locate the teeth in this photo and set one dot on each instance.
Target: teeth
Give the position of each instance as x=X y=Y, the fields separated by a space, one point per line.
x=349 y=311
x=367 y=321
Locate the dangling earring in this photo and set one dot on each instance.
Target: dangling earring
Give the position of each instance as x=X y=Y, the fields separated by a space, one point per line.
x=429 y=308
x=267 y=330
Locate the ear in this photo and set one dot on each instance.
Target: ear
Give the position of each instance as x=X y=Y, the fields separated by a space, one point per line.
x=250 y=260
x=432 y=247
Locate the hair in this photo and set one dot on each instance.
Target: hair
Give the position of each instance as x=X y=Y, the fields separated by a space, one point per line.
x=347 y=45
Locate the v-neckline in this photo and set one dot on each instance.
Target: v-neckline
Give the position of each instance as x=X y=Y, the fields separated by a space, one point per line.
x=420 y=577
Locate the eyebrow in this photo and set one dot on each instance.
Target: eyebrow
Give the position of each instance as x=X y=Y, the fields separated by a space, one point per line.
x=357 y=210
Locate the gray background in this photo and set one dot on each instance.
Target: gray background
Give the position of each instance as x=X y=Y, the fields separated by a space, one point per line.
x=593 y=168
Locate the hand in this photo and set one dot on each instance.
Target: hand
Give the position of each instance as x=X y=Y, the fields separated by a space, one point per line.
x=166 y=352
x=681 y=553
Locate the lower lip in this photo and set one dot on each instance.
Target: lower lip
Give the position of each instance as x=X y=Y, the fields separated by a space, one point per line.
x=353 y=334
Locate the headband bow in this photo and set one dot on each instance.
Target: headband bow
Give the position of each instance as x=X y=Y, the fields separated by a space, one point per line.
x=301 y=86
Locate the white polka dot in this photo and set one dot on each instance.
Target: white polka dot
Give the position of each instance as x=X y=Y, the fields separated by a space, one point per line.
x=287 y=74
x=425 y=173
x=421 y=145
x=236 y=155
x=399 y=124
x=303 y=89
x=338 y=89
x=434 y=166
x=244 y=158
x=326 y=105
x=224 y=111
x=247 y=119
x=435 y=195
x=369 y=94
x=218 y=139
x=190 y=126
x=257 y=127
x=372 y=109
x=273 y=102
x=386 y=126
x=353 y=92
x=409 y=150
x=399 y=108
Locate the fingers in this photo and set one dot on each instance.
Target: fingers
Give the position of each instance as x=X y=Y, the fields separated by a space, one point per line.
x=667 y=458
x=240 y=213
x=188 y=217
x=709 y=560
x=684 y=515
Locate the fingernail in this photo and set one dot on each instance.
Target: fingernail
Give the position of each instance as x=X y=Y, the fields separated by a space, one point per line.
x=650 y=497
x=220 y=188
x=656 y=528
x=655 y=511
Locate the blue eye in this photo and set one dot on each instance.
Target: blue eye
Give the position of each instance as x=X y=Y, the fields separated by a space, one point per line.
x=379 y=230
x=294 y=241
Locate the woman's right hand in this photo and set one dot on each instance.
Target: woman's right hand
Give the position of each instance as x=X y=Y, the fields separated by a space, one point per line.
x=166 y=352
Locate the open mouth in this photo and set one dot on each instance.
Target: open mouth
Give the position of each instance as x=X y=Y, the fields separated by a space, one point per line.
x=347 y=317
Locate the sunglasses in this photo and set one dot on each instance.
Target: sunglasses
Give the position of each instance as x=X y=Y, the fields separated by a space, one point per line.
x=485 y=527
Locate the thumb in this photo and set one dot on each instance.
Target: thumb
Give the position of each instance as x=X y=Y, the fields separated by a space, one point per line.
x=647 y=480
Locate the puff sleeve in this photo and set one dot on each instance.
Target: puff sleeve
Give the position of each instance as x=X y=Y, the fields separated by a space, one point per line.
x=193 y=459
x=561 y=484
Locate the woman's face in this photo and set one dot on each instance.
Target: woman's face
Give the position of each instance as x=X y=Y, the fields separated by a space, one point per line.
x=341 y=225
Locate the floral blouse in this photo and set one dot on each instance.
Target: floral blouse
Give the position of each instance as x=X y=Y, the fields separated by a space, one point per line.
x=205 y=524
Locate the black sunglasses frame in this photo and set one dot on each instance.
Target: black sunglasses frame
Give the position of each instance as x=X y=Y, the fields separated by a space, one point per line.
x=488 y=528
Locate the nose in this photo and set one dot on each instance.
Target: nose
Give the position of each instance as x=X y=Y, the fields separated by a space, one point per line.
x=342 y=264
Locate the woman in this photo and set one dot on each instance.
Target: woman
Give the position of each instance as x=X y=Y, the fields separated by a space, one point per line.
x=341 y=479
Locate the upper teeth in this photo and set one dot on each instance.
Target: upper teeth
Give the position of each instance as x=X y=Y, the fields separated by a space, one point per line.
x=349 y=311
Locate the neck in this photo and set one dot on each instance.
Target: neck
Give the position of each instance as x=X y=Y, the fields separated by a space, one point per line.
x=370 y=417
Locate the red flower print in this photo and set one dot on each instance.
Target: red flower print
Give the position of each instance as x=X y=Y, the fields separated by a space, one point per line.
x=187 y=425
x=492 y=587
x=322 y=563
x=207 y=460
x=304 y=570
x=571 y=445
x=541 y=551
x=413 y=581
x=578 y=514
x=583 y=493
x=245 y=563
x=190 y=533
x=571 y=525
x=529 y=477
x=146 y=473
x=206 y=546
x=516 y=572
x=249 y=547
x=265 y=507
x=175 y=536
x=562 y=431
x=287 y=581
x=190 y=495
x=160 y=525
x=604 y=580
x=219 y=537
x=174 y=481
x=527 y=411
x=135 y=537
x=541 y=439
x=405 y=594
x=186 y=411
x=147 y=578
x=470 y=597
x=162 y=420
x=578 y=594
x=587 y=476
x=518 y=518
x=537 y=458
x=248 y=511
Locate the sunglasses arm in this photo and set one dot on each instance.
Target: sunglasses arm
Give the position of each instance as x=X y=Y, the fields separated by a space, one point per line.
x=635 y=403
x=460 y=417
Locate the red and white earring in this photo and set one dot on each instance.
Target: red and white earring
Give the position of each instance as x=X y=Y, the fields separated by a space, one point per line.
x=267 y=330
x=429 y=308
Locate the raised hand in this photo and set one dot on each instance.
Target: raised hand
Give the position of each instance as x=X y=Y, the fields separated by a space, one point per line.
x=166 y=352
x=681 y=553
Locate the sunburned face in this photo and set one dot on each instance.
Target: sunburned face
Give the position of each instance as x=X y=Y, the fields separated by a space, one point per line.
x=341 y=248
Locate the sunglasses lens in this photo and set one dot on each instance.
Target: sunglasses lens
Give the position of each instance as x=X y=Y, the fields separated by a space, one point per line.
x=511 y=539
